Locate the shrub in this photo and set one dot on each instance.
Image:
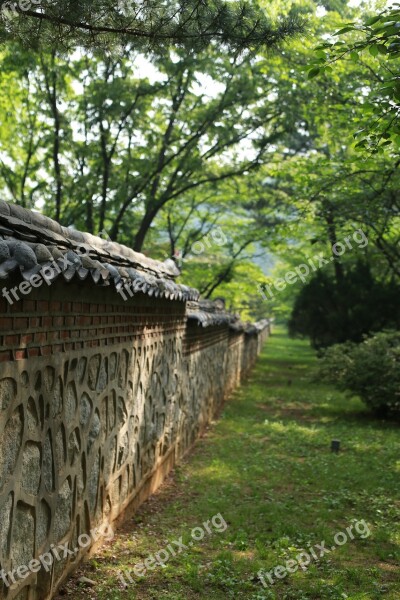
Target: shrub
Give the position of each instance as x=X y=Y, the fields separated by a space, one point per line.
x=331 y=313
x=370 y=369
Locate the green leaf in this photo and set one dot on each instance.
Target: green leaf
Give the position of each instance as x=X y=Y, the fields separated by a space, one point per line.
x=374 y=50
x=354 y=56
x=373 y=20
x=361 y=144
x=321 y=55
x=313 y=72
x=388 y=89
x=345 y=30
x=390 y=31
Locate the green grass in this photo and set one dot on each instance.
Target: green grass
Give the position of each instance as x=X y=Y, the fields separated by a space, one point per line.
x=266 y=466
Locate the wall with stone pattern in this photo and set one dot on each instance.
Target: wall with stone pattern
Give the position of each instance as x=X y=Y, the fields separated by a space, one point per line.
x=98 y=399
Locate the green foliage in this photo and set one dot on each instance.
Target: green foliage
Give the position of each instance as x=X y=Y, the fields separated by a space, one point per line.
x=134 y=145
x=330 y=311
x=159 y=147
x=152 y=24
x=370 y=369
x=154 y=146
x=376 y=37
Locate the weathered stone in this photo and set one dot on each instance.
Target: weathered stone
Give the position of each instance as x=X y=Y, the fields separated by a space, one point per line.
x=57 y=403
x=81 y=477
x=123 y=368
x=133 y=429
x=107 y=506
x=43 y=522
x=129 y=395
x=94 y=366
x=123 y=450
x=124 y=484
x=5 y=523
x=74 y=446
x=133 y=479
x=63 y=512
x=112 y=410
x=94 y=429
x=116 y=492
x=61 y=450
x=38 y=381
x=103 y=377
x=71 y=402
x=23 y=535
x=25 y=379
x=122 y=413
x=93 y=482
x=32 y=418
x=81 y=369
x=41 y=410
x=8 y=391
x=110 y=458
x=48 y=379
x=11 y=444
x=160 y=425
x=113 y=365
x=165 y=375
x=31 y=470
x=85 y=410
x=48 y=468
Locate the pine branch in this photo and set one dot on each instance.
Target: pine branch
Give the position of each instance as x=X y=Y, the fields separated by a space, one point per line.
x=149 y=23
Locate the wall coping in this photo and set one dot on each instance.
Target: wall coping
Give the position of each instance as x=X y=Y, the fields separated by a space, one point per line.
x=32 y=243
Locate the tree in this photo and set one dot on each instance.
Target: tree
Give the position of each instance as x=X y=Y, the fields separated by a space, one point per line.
x=136 y=146
x=165 y=147
x=22 y=135
x=217 y=236
x=332 y=187
x=151 y=24
x=376 y=36
x=329 y=311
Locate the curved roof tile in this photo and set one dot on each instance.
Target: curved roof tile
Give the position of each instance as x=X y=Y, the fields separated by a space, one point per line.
x=33 y=243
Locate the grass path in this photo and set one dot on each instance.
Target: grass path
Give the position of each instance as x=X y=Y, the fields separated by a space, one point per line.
x=267 y=469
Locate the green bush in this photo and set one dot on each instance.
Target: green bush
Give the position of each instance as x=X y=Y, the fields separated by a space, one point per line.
x=370 y=369
x=331 y=313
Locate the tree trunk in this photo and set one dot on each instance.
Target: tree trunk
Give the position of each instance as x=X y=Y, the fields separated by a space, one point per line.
x=144 y=227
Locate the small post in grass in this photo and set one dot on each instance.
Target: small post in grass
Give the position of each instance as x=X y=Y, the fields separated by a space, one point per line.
x=335 y=446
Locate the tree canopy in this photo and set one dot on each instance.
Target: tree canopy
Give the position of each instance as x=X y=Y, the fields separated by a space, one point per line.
x=163 y=149
x=378 y=36
x=149 y=24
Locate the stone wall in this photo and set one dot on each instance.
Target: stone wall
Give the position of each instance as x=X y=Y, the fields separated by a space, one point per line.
x=98 y=399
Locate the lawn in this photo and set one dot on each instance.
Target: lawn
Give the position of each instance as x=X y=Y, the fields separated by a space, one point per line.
x=267 y=469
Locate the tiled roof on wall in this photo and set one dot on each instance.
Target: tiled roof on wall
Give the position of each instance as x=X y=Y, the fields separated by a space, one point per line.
x=210 y=313
x=32 y=243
